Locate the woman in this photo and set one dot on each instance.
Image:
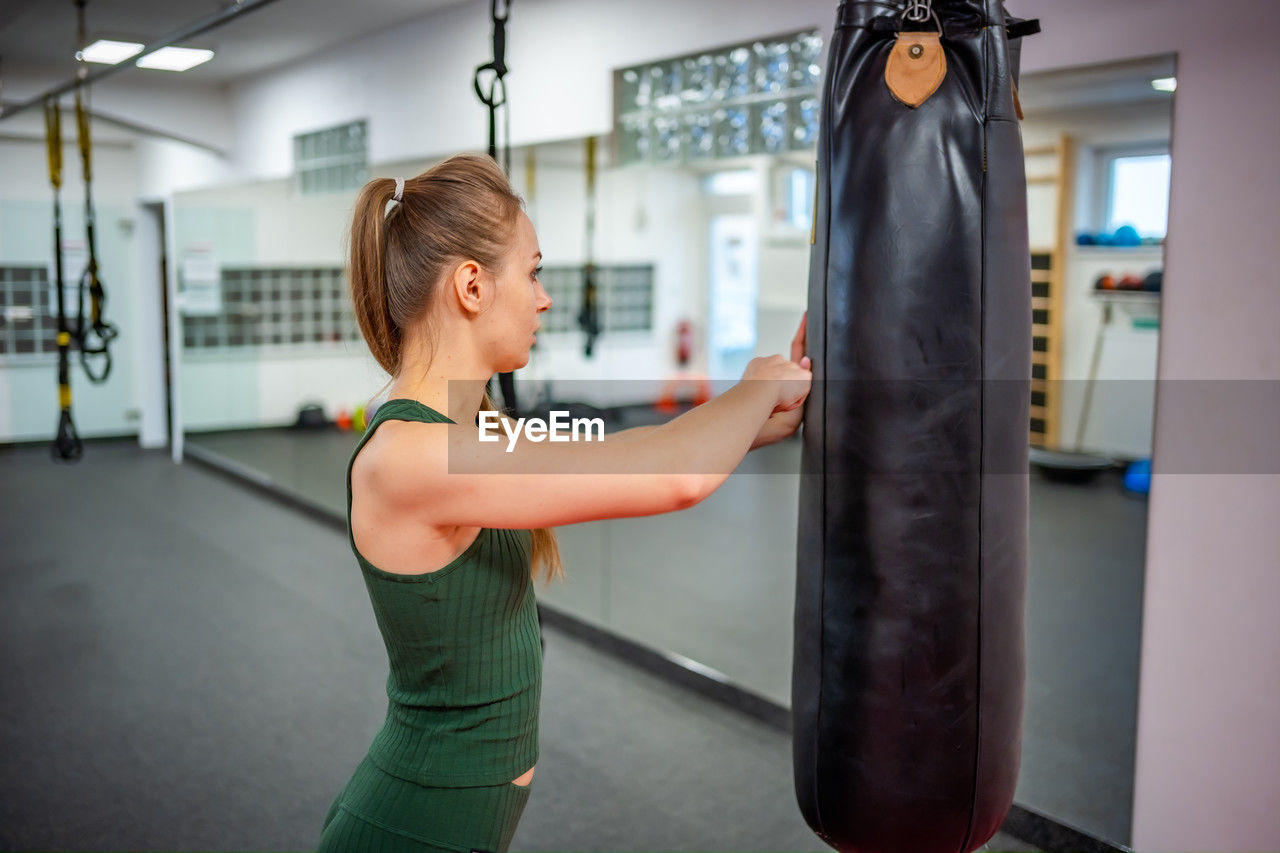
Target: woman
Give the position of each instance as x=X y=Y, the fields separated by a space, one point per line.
x=448 y=529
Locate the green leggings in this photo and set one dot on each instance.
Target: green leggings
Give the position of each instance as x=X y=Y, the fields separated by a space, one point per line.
x=380 y=813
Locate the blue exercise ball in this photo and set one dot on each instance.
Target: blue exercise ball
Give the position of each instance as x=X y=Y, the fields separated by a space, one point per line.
x=1126 y=235
x=1137 y=478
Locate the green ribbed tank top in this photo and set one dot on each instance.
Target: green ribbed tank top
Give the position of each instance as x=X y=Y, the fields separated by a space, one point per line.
x=465 y=653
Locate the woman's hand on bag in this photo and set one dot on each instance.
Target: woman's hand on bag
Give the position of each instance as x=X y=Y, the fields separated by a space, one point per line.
x=785 y=421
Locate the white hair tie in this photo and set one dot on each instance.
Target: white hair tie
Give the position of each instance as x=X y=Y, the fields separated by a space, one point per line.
x=399 y=189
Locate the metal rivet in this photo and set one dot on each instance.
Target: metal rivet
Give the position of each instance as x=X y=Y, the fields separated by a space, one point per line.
x=915 y=51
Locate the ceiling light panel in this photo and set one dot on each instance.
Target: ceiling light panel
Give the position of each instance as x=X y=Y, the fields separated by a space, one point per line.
x=175 y=58
x=109 y=52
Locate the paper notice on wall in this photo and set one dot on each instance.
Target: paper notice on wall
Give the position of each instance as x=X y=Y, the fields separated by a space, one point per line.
x=75 y=259
x=200 y=285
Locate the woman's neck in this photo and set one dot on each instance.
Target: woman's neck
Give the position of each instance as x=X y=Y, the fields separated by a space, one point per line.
x=457 y=399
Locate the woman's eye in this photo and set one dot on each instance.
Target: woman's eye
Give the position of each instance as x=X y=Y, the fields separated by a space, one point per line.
x=537 y=272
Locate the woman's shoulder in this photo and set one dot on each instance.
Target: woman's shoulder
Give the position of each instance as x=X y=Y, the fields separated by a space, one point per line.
x=400 y=453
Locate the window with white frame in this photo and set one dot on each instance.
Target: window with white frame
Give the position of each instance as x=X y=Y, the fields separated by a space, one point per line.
x=1131 y=187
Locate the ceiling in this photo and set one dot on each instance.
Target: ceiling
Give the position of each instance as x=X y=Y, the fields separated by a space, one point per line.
x=39 y=36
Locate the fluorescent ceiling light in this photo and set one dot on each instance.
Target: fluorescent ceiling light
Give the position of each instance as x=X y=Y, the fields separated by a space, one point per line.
x=1164 y=84
x=108 y=52
x=175 y=58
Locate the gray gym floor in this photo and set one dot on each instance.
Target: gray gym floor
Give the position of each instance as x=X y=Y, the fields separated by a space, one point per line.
x=190 y=665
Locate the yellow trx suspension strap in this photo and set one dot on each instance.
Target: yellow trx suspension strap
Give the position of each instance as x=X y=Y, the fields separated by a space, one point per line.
x=105 y=331
x=589 y=313
x=66 y=444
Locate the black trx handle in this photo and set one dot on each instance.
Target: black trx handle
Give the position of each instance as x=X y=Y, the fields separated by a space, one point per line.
x=66 y=446
x=492 y=99
x=588 y=315
x=105 y=331
x=495 y=97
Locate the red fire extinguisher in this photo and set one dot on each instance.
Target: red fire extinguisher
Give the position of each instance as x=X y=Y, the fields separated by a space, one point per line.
x=684 y=342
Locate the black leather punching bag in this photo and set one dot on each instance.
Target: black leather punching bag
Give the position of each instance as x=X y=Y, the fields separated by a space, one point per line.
x=908 y=671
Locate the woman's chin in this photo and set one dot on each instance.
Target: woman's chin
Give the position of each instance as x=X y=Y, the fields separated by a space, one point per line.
x=516 y=362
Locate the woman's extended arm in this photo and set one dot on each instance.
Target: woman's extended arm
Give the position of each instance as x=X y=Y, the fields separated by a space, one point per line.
x=708 y=441
x=778 y=426
x=630 y=433
x=446 y=474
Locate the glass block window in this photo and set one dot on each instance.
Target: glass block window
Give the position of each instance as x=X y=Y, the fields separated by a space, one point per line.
x=331 y=160
x=29 y=312
x=624 y=297
x=267 y=307
x=756 y=98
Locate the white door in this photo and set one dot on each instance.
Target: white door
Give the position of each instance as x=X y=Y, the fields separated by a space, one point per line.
x=734 y=287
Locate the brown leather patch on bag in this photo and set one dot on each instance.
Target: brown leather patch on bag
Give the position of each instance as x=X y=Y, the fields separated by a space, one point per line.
x=916 y=67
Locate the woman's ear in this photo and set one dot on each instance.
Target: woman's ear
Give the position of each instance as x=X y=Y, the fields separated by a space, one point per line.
x=468 y=285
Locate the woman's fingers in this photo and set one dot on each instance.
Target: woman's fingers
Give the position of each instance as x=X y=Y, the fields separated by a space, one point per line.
x=797 y=343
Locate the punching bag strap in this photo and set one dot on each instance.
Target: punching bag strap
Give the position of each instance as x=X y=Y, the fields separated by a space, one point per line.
x=916 y=65
x=854 y=15
x=1018 y=29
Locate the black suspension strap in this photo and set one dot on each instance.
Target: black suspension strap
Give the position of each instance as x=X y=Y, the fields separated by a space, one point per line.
x=66 y=446
x=89 y=280
x=493 y=97
x=588 y=315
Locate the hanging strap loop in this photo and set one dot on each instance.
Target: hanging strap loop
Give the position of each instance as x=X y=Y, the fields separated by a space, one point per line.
x=918 y=11
x=89 y=281
x=589 y=314
x=494 y=97
x=496 y=94
x=66 y=445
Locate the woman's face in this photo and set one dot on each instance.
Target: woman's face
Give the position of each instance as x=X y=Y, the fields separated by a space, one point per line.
x=520 y=298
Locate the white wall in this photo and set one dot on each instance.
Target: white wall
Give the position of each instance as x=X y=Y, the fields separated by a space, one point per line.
x=414 y=83
x=145 y=98
x=166 y=167
x=1209 y=694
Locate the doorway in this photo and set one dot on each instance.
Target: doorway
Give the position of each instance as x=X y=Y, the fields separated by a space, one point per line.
x=734 y=287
